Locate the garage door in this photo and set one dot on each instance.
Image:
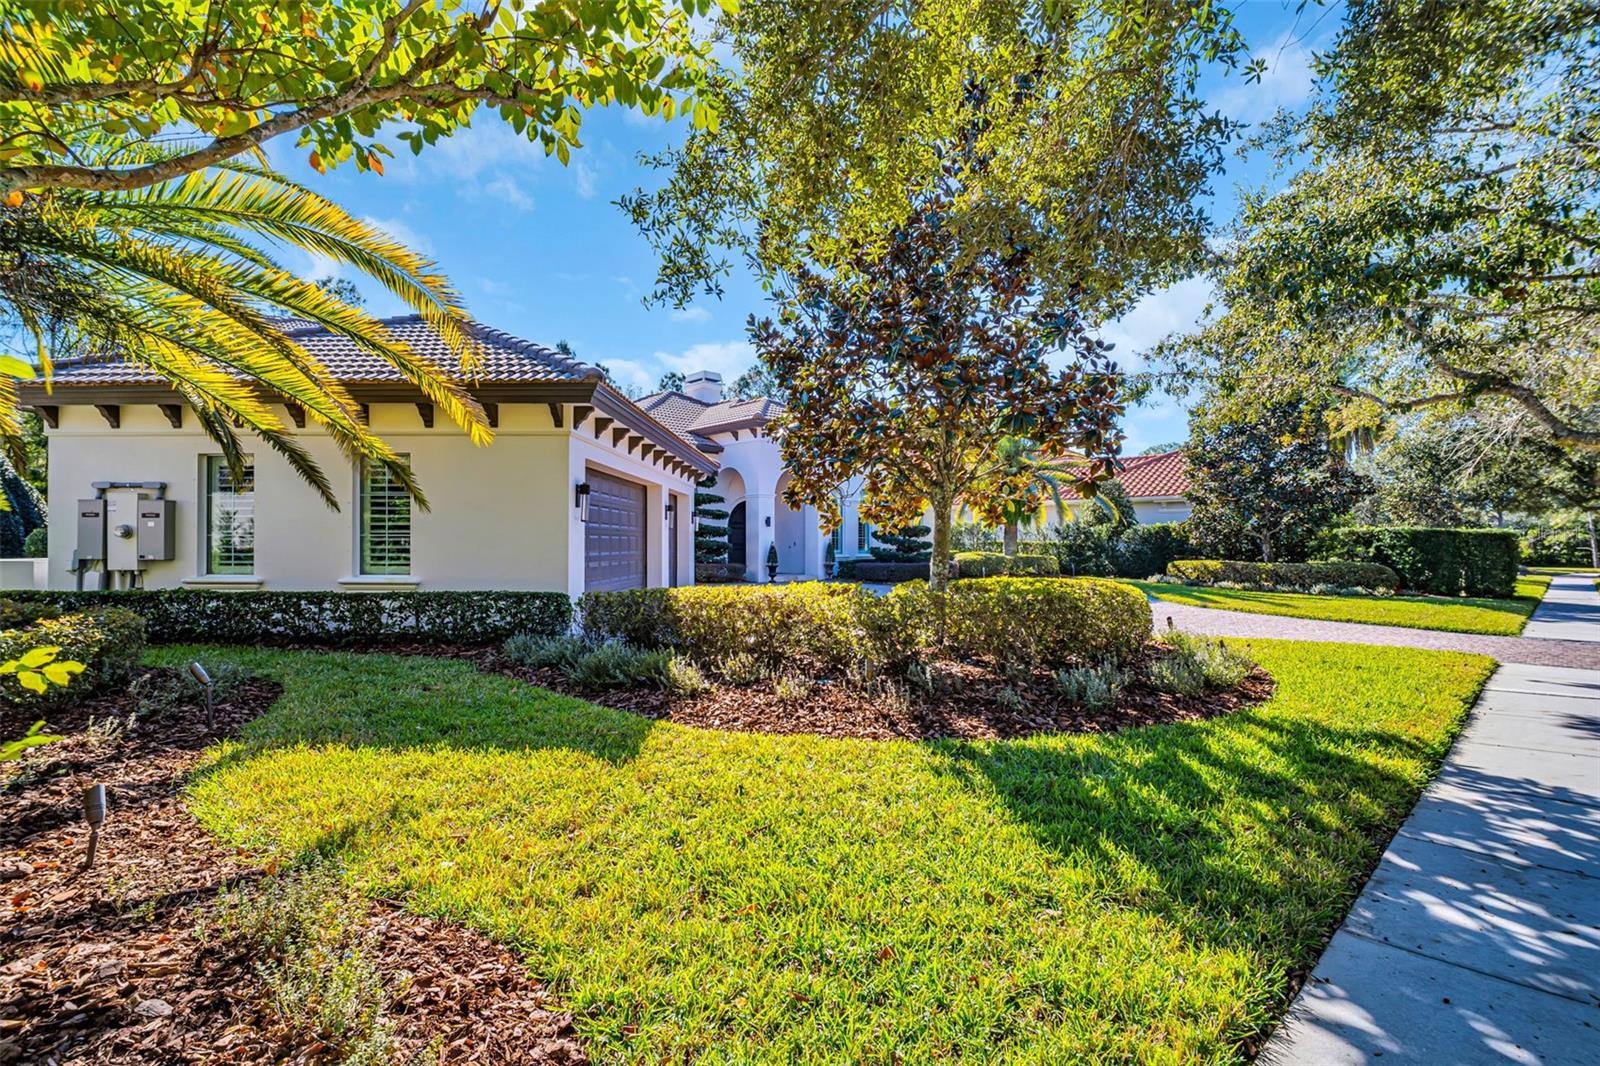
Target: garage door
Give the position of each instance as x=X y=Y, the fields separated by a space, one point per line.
x=613 y=540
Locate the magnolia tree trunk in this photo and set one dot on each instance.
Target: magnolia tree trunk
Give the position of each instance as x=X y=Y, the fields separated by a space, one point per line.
x=1594 y=544
x=1010 y=545
x=939 y=561
x=1266 y=548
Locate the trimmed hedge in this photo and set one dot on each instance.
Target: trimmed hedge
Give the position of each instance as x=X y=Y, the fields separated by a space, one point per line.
x=987 y=564
x=881 y=572
x=255 y=617
x=1447 y=562
x=718 y=573
x=815 y=627
x=109 y=643
x=1296 y=576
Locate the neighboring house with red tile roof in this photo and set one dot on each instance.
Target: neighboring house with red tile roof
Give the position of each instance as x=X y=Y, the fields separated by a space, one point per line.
x=580 y=489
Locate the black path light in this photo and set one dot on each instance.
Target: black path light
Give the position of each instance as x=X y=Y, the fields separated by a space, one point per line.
x=94 y=812
x=198 y=672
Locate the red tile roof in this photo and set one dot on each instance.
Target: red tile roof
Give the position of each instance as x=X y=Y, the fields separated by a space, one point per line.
x=1165 y=474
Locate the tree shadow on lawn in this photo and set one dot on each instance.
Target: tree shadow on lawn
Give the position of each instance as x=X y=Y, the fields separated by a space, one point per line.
x=1252 y=833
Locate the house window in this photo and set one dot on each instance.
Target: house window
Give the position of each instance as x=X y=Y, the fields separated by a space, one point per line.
x=863 y=536
x=837 y=539
x=385 y=522
x=230 y=518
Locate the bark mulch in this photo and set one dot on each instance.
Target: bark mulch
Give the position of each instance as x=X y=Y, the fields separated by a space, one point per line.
x=966 y=704
x=117 y=964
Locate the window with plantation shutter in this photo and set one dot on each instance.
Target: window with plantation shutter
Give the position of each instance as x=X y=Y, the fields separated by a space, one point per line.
x=230 y=518
x=385 y=522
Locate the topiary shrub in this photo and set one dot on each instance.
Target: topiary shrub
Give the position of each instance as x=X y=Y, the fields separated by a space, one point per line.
x=1296 y=577
x=990 y=564
x=36 y=545
x=109 y=643
x=1447 y=562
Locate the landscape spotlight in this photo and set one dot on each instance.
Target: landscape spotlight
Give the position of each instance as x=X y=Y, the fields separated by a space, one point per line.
x=202 y=678
x=94 y=812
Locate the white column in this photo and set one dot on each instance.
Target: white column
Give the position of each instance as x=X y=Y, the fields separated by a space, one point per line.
x=759 y=519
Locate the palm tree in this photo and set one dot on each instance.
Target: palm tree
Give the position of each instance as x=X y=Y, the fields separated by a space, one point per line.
x=1035 y=480
x=175 y=278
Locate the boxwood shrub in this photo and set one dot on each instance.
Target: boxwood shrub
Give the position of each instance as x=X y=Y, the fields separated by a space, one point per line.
x=254 y=617
x=107 y=642
x=813 y=627
x=997 y=564
x=1294 y=576
x=880 y=572
x=1448 y=562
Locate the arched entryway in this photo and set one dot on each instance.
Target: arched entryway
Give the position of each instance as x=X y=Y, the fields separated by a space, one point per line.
x=736 y=520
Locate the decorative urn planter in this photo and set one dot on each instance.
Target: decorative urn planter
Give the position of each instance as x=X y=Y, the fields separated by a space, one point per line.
x=772 y=562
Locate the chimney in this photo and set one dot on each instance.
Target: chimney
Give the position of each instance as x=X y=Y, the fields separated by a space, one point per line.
x=704 y=385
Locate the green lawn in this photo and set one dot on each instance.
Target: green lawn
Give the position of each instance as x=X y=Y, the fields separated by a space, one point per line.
x=1461 y=615
x=728 y=897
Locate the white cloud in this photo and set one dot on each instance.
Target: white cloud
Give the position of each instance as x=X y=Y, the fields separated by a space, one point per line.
x=690 y=314
x=1166 y=311
x=504 y=189
x=401 y=232
x=584 y=178
x=494 y=287
x=728 y=358
x=1286 y=82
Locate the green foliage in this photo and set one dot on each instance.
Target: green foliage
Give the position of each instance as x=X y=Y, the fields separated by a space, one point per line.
x=1110 y=507
x=542 y=649
x=11 y=750
x=844 y=113
x=881 y=572
x=1141 y=894
x=1559 y=541
x=757 y=383
x=1143 y=551
x=772 y=558
x=711 y=533
x=1080 y=549
x=718 y=573
x=1274 y=477
x=108 y=643
x=1195 y=663
x=903 y=369
x=36 y=545
x=1093 y=687
x=308 y=932
x=1297 y=577
x=253 y=617
x=614 y=664
x=1441 y=247
x=22 y=515
x=1447 y=562
x=14 y=614
x=986 y=564
x=822 y=629
x=908 y=544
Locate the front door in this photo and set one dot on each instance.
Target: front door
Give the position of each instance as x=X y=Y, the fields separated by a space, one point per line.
x=614 y=536
x=736 y=535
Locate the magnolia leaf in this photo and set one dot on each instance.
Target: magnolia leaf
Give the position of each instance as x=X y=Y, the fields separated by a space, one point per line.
x=36 y=657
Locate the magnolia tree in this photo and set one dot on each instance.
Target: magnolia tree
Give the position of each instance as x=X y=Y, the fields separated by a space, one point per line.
x=908 y=367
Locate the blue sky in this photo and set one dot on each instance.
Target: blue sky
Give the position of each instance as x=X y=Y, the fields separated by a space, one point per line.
x=541 y=251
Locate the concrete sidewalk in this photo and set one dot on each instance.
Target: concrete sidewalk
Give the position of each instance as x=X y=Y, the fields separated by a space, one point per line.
x=1477 y=939
x=1569 y=611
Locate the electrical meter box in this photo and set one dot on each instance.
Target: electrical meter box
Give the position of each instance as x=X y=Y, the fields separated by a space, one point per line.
x=154 y=534
x=91 y=530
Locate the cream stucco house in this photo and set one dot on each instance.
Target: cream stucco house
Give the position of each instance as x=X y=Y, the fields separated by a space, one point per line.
x=580 y=489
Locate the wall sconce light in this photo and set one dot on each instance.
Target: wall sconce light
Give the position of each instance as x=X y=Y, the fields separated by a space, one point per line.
x=672 y=509
x=769 y=522
x=580 y=500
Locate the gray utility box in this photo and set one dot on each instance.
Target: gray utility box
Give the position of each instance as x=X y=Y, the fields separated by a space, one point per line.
x=91 y=530
x=155 y=530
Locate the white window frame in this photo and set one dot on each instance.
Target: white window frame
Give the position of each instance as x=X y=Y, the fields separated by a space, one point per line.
x=362 y=567
x=219 y=463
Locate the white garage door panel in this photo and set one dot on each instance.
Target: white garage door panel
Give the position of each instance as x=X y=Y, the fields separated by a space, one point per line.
x=614 y=538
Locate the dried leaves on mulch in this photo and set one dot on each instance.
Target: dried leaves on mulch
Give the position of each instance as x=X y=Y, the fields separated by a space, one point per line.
x=967 y=705
x=116 y=964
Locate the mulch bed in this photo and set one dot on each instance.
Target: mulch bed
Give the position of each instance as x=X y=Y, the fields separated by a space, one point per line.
x=115 y=965
x=966 y=705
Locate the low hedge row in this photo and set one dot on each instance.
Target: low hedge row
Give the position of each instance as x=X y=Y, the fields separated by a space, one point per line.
x=1296 y=576
x=1448 y=562
x=107 y=642
x=253 y=617
x=718 y=573
x=996 y=564
x=880 y=572
x=818 y=628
